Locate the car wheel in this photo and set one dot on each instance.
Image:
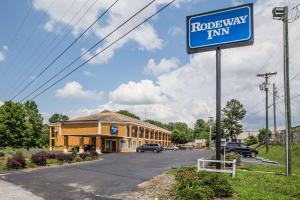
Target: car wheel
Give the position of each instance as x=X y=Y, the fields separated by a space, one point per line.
x=155 y=151
x=253 y=154
x=139 y=151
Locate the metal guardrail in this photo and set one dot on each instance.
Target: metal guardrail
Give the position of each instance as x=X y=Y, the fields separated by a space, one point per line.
x=230 y=170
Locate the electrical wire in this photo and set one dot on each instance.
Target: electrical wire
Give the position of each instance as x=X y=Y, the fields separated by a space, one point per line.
x=107 y=47
x=57 y=43
x=65 y=50
x=36 y=50
x=29 y=37
x=95 y=45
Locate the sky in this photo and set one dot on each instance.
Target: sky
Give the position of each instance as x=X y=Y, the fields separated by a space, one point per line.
x=148 y=72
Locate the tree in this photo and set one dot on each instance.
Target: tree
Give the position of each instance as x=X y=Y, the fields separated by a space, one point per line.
x=201 y=129
x=14 y=126
x=179 y=137
x=156 y=123
x=251 y=140
x=183 y=129
x=233 y=113
x=35 y=120
x=262 y=135
x=129 y=114
x=58 y=118
x=44 y=138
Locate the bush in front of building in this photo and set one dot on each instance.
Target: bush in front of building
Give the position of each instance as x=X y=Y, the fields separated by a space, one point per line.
x=64 y=157
x=2 y=154
x=84 y=155
x=16 y=162
x=40 y=158
x=87 y=156
x=94 y=154
x=201 y=185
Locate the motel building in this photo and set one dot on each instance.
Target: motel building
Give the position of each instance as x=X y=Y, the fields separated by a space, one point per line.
x=107 y=132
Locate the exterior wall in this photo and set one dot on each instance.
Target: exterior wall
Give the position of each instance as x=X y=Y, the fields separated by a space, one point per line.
x=80 y=129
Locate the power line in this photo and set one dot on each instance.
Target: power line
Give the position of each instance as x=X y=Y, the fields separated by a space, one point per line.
x=107 y=47
x=65 y=50
x=28 y=39
x=25 y=62
x=58 y=42
x=92 y=47
x=12 y=42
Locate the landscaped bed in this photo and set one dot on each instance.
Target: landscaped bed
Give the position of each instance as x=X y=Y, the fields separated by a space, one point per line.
x=42 y=159
x=187 y=184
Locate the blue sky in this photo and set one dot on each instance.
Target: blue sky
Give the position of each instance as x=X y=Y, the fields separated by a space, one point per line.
x=149 y=72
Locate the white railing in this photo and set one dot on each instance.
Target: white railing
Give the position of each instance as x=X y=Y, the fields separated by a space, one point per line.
x=230 y=170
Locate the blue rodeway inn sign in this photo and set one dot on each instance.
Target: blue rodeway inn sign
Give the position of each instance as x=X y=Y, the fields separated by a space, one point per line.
x=225 y=28
x=217 y=30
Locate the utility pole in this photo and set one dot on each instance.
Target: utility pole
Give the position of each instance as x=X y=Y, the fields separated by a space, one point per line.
x=210 y=127
x=281 y=13
x=265 y=87
x=274 y=109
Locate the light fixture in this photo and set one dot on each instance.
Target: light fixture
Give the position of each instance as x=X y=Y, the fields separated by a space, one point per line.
x=278 y=13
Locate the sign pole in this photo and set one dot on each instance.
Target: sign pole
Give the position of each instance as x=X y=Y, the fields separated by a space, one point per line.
x=218 y=105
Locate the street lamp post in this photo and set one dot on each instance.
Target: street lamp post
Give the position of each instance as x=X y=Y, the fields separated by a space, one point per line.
x=281 y=13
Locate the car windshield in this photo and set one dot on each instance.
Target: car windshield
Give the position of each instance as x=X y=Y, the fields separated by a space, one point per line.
x=243 y=145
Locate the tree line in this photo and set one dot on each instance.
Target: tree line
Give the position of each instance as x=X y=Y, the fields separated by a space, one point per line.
x=21 y=125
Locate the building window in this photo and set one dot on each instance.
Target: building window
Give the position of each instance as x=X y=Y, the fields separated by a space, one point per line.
x=129 y=144
x=53 y=142
x=147 y=134
x=122 y=144
x=127 y=133
x=52 y=132
x=107 y=144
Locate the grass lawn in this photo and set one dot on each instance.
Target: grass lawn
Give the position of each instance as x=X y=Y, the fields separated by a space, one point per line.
x=256 y=186
x=277 y=153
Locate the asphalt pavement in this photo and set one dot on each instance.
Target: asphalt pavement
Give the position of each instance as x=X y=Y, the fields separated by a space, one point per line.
x=104 y=179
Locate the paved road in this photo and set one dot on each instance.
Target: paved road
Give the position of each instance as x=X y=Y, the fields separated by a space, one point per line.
x=115 y=174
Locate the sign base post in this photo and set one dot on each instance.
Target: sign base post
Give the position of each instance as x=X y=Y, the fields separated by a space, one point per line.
x=218 y=106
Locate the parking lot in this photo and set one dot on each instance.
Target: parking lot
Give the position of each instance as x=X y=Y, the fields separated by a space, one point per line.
x=117 y=173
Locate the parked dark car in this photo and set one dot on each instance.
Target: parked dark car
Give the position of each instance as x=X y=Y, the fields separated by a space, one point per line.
x=240 y=148
x=149 y=147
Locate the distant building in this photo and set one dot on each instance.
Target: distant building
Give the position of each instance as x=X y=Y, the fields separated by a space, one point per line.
x=245 y=134
x=200 y=143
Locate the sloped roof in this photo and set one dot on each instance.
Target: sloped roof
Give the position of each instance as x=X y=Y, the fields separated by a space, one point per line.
x=108 y=116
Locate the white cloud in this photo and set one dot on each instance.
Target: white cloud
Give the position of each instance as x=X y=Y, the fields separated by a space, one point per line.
x=88 y=73
x=1 y=103
x=75 y=90
x=145 y=36
x=2 y=57
x=165 y=65
x=175 y=31
x=132 y=93
x=5 y=47
x=190 y=89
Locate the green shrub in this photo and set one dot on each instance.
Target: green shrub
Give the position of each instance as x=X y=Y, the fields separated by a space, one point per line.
x=251 y=140
x=94 y=154
x=39 y=158
x=51 y=155
x=78 y=159
x=84 y=155
x=16 y=162
x=89 y=158
x=201 y=185
x=2 y=154
x=64 y=157
x=233 y=156
x=195 y=193
x=217 y=182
